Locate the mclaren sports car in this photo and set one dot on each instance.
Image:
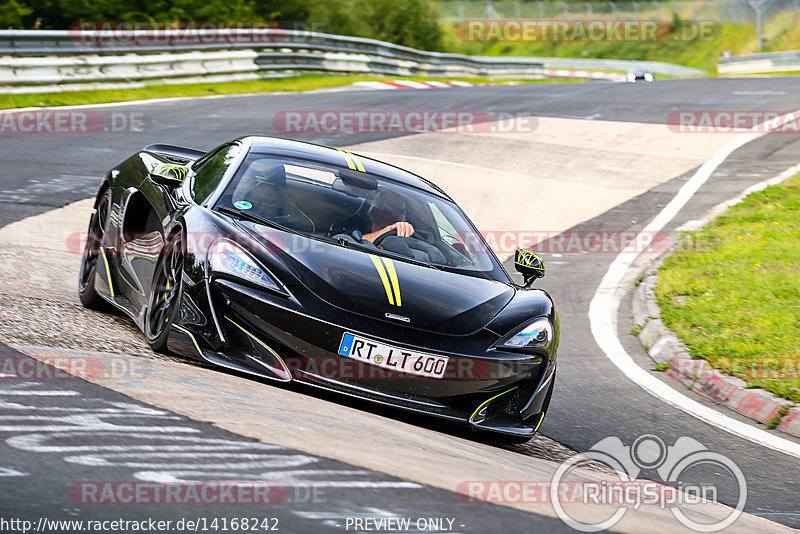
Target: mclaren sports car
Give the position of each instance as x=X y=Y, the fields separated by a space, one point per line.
x=299 y=262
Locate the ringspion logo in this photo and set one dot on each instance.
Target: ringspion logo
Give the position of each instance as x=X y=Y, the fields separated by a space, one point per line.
x=684 y=474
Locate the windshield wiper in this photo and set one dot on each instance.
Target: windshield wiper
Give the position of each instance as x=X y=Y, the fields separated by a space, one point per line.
x=266 y=222
x=250 y=217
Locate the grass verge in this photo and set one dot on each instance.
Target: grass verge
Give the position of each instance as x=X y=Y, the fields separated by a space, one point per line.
x=307 y=82
x=731 y=291
x=698 y=52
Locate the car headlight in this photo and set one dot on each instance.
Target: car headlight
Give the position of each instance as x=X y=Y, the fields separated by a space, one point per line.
x=537 y=335
x=226 y=257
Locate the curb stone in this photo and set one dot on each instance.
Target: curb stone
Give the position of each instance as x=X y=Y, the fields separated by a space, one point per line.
x=664 y=347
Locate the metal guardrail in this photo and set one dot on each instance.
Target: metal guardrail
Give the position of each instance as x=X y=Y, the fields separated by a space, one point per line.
x=623 y=65
x=764 y=62
x=56 y=57
x=64 y=56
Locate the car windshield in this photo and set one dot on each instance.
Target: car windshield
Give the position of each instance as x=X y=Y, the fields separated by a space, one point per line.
x=351 y=207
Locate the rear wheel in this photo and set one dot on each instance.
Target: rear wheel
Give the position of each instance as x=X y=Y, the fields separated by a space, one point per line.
x=91 y=256
x=165 y=295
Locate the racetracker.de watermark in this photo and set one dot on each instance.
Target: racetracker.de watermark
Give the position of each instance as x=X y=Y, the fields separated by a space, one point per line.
x=70 y=122
x=543 y=30
x=733 y=121
x=141 y=32
x=367 y=368
x=71 y=366
x=402 y=121
x=570 y=242
x=179 y=493
x=499 y=241
x=682 y=478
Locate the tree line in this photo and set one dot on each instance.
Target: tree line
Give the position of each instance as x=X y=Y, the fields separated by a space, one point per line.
x=413 y=23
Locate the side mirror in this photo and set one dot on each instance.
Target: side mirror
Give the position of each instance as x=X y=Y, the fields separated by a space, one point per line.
x=168 y=175
x=529 y=264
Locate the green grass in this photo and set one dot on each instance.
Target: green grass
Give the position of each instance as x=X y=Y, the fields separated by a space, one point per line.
x=698 y=53
x=732 y=291
x=307 y=82
x=782 y=73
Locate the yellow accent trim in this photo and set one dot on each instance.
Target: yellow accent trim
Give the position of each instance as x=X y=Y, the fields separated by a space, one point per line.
x=108 y=271
x=164 y=169
x=182 y=329
x=243 y=329
x=352 y=160
x=539 y=423
x=528 y=255
x=358 y=163
x=393 y=277
x=382 y=273
x=347 y=158
x=487 y=401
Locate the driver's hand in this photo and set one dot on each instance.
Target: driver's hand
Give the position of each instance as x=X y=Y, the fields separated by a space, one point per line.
x=404 y=229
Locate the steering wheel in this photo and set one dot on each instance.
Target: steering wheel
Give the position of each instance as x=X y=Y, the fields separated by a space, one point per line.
x=390 y=233
x=377 y=241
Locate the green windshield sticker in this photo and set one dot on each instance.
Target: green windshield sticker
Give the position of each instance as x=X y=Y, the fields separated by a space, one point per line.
x=242 y=205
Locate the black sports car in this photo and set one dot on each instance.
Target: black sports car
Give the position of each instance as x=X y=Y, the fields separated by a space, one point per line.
x=298 y=262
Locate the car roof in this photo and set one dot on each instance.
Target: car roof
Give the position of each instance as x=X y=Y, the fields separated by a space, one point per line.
x=333 y=156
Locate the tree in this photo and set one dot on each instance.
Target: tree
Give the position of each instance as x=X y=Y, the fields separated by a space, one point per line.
x=12 y=12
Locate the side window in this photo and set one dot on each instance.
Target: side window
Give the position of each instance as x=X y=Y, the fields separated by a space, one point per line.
x=446 y=228
x=211 y=171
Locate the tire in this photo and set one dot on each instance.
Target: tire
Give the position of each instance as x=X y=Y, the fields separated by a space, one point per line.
x=91 y=256
x=165 y=295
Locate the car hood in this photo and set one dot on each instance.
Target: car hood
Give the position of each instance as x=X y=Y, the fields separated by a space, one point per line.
x=390 y=289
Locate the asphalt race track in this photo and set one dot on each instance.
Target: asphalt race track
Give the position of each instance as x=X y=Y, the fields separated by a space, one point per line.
x=593 y=400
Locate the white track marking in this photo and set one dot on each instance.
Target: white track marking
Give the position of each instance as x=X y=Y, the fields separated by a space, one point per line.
x=8 y=472
x=606 y=300
x=593 y=187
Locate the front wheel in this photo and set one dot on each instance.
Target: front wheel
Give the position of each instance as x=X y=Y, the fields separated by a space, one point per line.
x=91 y=256
x=165 y=296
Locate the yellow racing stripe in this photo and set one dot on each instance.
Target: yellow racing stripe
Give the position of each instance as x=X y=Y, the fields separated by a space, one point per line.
x=393 y=277
x=382 y=273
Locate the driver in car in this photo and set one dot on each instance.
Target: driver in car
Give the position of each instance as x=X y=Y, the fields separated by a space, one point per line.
x=387 y=214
